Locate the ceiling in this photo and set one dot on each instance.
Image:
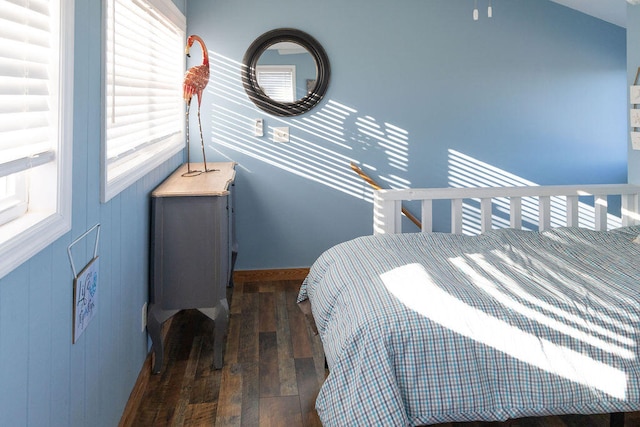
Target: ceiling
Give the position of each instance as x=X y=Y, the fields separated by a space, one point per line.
x=613 y=11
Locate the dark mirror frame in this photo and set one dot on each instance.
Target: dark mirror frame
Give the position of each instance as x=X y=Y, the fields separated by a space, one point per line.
x=250 y=81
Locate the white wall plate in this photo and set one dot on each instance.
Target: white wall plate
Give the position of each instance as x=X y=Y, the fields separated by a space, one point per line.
x=635 y=140
x=634 y=118
x=634 y=94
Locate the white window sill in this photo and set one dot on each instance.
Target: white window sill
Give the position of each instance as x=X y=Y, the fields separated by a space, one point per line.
x=24 y=237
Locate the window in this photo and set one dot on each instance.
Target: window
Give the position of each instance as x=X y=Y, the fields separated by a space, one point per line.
x=36 y=119
x=277 y=81
x=143 y=108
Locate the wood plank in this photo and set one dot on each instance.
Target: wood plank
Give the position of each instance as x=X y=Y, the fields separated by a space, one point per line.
x=187 y=382
x=269 y=373
x=298 y=329
x=268 y=287
x=230 y=401
x=285 y=348
x=168 y=394
x=289 y=286
x=288 y=378
x=267 y=312
x=280 y=412
x=248 y=340
x=159 y=390
x=235 y=300
x=270 y=275
x=137 y=395
x=201 y=414
x=308 y=388
x=206 y=184
x=206 y=381
x=233 y=339
x=286 y=364
x=252 y=287
x=250 y=394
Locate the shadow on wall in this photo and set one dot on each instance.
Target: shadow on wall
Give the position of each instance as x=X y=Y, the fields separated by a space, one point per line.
x=465 y=171
x=324 y=143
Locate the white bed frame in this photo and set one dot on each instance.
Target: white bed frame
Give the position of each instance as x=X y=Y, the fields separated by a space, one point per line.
x=552 y=201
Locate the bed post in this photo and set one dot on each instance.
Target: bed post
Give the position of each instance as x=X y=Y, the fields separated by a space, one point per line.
x=630 y=209
x=616 y=419
x=386 y=215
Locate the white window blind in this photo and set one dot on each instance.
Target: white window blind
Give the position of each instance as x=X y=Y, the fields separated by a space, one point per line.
x=277 y=81
x=28 y=52
x=36 y=107
x=27 y=55
x=144 y=109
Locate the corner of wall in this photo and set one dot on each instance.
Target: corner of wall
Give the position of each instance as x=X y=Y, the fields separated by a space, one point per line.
x=633 y=63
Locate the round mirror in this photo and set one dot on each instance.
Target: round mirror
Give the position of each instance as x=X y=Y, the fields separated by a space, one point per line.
x=285 y=72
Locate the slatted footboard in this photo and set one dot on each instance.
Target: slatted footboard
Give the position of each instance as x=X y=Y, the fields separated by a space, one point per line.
x=508 y=206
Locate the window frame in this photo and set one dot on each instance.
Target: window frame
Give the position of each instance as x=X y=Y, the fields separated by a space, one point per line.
x=15 y=204
x=135 y=168
x=48 y=216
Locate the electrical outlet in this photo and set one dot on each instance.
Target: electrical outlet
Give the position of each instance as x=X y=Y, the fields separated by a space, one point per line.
x=144 y=316
x=281 y=134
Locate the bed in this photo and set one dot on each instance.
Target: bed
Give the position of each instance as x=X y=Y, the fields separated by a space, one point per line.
x=515 y=320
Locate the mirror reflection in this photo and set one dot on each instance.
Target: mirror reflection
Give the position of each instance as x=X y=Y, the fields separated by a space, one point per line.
x=286 y=72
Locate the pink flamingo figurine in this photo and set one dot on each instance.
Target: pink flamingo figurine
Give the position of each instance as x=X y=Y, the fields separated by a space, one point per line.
x=195 y=80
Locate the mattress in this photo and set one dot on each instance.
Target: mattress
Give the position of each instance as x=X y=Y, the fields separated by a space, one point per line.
x=429 y=328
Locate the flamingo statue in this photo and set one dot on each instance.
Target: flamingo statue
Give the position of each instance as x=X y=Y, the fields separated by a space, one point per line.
x=195 y=80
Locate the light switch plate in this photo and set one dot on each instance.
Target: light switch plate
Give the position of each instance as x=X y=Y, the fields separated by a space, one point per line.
x=281 y=134
x=635 y=117
x=258 y=127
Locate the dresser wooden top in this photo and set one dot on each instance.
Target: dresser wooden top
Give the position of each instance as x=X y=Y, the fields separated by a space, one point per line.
x=214 y=183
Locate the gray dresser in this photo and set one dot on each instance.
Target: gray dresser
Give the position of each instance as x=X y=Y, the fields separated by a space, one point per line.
x=192 y=251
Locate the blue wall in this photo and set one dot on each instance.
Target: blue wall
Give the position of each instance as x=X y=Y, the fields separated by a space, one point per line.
x=537 y=92
x=633 y=62
x=45 y=380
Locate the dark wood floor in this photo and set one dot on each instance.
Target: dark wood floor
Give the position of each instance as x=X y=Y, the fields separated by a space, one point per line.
x=272 y=372
x=270 y=375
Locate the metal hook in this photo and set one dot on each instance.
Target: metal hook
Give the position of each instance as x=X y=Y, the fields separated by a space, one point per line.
x=95 y=248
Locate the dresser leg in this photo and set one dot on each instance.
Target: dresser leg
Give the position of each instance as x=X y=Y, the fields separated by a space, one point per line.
x=220 y=332
x=154 y=328
x=220 y=316
x=155 y=318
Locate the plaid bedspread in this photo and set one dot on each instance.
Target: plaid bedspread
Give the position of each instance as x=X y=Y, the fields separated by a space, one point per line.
x=431 y=328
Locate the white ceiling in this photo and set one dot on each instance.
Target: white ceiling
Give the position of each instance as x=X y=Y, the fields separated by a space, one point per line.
x=613 y=11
